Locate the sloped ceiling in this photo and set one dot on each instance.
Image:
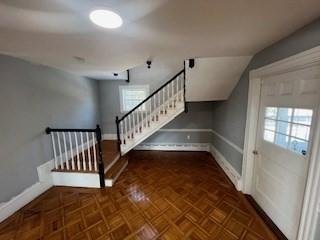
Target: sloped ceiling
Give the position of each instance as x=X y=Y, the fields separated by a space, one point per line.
x=213 y=79
x=58 y=33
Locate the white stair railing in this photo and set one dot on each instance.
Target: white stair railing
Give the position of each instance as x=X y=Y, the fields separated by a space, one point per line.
x=70 y=156
x=149 y=112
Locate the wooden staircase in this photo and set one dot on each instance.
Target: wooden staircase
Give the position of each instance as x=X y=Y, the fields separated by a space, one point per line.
x=82 y=159
x=161 y=107
x=114 y=163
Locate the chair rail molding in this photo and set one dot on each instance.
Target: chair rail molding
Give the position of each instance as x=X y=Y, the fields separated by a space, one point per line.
x=296 y=62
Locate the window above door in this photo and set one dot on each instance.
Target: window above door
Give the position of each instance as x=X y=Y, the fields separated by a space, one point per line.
x=288 y=128
x=132 y=95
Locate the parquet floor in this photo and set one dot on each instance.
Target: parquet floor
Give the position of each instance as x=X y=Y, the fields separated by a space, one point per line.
x=162 y=195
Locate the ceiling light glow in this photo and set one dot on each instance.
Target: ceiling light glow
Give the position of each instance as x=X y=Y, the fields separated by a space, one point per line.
x=106 y=18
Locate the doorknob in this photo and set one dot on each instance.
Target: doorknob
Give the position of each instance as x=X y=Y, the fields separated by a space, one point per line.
x=255 y=152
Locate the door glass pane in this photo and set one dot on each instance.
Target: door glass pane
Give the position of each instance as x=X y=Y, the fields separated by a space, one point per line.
x=268 y=136
x=283 y=127
x=281 y=140
x=303 y=116
x=271 y=112
x=270 y=124
x=300 y=131
x=284 y=114
x=298 y=146
x=288 y=127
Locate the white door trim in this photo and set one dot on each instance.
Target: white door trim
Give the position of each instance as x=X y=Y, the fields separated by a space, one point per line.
x=299 y=61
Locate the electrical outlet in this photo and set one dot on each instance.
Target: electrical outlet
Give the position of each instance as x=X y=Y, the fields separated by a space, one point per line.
x=188 y=137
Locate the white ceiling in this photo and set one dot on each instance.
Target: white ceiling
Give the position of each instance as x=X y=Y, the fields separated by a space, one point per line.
x=52 y=32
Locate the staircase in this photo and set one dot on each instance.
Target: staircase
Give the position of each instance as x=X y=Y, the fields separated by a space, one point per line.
x=161 y=107
x=82 y=159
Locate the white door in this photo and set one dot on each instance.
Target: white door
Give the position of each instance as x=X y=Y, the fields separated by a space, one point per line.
x=287 y=114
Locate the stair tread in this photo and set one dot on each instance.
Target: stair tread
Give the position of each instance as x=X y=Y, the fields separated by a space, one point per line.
x=114 y=170
x=109 y=152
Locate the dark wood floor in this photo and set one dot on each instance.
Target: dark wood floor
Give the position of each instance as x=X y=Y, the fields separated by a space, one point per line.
x=160 y=196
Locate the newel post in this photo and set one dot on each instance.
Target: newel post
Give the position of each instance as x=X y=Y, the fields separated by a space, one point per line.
x=100 y=160
x=118 y=134
x=184 y=89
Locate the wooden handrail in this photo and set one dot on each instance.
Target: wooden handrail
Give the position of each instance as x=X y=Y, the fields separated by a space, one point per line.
x=150 y=96
x=50 y=130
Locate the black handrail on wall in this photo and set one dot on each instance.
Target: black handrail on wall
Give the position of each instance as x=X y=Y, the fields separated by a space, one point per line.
x=98 y=134
x=183 y=71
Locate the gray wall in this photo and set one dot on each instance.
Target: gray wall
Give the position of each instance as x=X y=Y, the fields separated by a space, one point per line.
x=199 y=116
x=229 y=117
x=33 y=97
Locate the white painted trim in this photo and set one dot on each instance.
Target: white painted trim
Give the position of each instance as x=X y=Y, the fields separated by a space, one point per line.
x=110 y=182
x=109 y=136
x=233 y=175
x=237 y=148
x=299 y=61
x=185 y=130
x=250 y=134
x=296 y=62
x=76 y=179
x=309 y=215
x=19 y=201
x=173 y=146
x=144 y=87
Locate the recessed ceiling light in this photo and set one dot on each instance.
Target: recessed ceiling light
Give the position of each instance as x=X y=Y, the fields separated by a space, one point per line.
x=105 y=18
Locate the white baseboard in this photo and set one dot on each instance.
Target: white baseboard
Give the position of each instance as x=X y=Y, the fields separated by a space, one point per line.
x=174 y=146
x=30 y=193
x=109 y=137
x=19 y=201
x=44 y=172
x=233 y=175
x=75 y=179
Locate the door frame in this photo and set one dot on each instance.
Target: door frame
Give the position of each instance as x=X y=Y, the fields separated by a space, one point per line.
x=311 y=199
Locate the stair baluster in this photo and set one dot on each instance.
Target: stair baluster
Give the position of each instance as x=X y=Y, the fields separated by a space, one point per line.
x=150 y=112
x=54 y=151
x=68 y=157
x=156 y=110
x=89 y=152
x=82 y=153
x=60 y=151
x=77 y=150
x=71 y=149
x=94 y=152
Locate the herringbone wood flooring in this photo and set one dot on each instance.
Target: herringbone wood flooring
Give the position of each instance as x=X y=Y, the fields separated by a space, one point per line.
x=160 y=196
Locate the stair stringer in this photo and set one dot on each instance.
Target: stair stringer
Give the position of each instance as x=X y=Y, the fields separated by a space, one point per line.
x=164 y=119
